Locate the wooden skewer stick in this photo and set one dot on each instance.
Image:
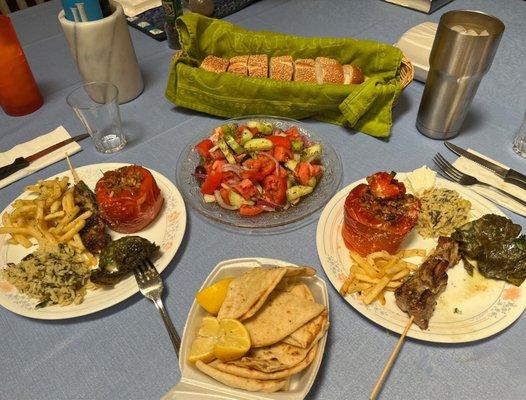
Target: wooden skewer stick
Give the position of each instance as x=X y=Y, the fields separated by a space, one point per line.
x=390 y=361
x=76 y=178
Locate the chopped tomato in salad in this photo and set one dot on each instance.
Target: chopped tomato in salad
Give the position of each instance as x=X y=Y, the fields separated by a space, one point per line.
x=257 y=167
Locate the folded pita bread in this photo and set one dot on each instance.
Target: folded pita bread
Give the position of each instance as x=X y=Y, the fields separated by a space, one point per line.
x=304 y=336
x=252 y=385
x=292 y=285
x=278 y=357
x=282 y=314
x=262 y=376
x=248 y=293
x=299 y=271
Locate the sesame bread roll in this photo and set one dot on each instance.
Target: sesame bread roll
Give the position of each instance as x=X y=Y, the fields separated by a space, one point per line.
x=328 y=70
x=215 y=64
x=238 y=65
x=258 y=66
x=352 y=74
x=304 y=70
x=281 y=68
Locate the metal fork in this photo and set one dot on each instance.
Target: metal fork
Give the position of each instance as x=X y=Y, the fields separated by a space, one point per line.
x=460 y=177
x=151 y=286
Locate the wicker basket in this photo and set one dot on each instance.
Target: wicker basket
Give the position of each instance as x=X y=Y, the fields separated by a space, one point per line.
x=407 y=72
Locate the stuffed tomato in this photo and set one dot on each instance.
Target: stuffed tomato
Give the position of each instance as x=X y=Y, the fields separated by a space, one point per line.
x=128 y=198
x=378 y=215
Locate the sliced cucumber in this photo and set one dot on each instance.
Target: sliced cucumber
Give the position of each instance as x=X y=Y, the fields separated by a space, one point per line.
x=291 y=165
x=295 y=192
x=226 y=151
x=237 y=200
x=229 y=129
x=229 y=139
x=260 y=144
x=291 y=181
x=312 y=182
x=265 y=128
x=297 y=146
x=312 y=153
x=245 y=136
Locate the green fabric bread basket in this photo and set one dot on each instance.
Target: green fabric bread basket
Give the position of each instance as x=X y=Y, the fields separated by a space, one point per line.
x=365 y=107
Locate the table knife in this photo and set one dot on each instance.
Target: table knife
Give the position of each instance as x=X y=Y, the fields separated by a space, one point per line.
x=22 y=162
x=509 y=175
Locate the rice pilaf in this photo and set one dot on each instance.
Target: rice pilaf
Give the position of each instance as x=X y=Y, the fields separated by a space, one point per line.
x=443 y=210
x=53 y=274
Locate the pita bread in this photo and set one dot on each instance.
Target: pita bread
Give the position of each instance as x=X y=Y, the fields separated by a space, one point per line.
x=300 y=271
x=252 y=385
x=304 y=336
x=278 y=357
x=262 y=376
x=248 y=293
x=292 y=285
x=282 y=314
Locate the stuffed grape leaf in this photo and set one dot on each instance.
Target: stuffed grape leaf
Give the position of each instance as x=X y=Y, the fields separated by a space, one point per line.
x=493 y=242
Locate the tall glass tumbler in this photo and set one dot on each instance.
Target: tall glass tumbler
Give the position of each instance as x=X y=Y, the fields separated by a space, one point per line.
x=462 y=53
x=519 y=142
x=19 y=94
x=97 y=107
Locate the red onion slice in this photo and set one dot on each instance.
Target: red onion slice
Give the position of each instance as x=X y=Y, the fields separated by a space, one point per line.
x=232 y=168
x=268 y=204
x=221 y=202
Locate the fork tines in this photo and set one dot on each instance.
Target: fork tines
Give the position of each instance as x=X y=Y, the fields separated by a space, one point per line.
x=449 y=170
x=146 y=268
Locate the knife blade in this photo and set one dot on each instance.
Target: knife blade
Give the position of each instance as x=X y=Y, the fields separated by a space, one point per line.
x=22 y=162
x=507 y=174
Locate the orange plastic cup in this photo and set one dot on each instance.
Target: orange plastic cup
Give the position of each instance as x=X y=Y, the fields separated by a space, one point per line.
x=19 y=94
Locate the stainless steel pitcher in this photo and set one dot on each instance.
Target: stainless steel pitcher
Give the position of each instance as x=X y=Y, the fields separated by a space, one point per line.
x=462 y=53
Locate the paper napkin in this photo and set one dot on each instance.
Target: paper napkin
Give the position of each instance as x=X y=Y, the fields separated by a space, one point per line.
x=33 y=146
x=134 y=7
x=485 y=175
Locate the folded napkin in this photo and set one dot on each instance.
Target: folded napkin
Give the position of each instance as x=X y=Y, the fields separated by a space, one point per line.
x=34 y=146
x=485 y=175
x=134 y=7
x=366 y=107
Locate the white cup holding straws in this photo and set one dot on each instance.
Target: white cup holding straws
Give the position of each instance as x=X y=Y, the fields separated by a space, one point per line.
x=103 y=52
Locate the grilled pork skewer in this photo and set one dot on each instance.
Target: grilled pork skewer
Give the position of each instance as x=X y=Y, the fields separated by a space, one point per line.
x=418 y=295
x=94 y=235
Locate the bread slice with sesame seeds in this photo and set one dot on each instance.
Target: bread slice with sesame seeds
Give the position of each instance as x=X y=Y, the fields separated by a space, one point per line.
x=328 y=70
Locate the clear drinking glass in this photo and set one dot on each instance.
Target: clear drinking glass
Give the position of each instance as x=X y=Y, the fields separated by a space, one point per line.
x=519 y=143
x=97 y=107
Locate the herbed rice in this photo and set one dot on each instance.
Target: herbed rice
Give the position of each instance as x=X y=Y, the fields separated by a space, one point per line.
x=442 y=211
x=53 y=274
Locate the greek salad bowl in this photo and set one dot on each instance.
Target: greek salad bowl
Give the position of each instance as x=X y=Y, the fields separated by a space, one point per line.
x=298 y=173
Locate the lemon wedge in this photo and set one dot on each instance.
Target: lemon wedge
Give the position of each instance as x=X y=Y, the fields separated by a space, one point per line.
x=227 y=339
x=202 y=349
x=211 y=298
x=209 y=327
x=233 y=341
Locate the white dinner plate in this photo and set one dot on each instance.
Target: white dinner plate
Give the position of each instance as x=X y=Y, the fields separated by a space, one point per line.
x=167 y=231
x=471 y=308
x=196 y=385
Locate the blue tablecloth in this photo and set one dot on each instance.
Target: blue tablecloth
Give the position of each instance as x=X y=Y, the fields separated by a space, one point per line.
x=124 y=352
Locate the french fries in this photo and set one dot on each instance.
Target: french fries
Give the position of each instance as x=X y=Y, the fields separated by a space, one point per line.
x=379 y=272
x=50 y=215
